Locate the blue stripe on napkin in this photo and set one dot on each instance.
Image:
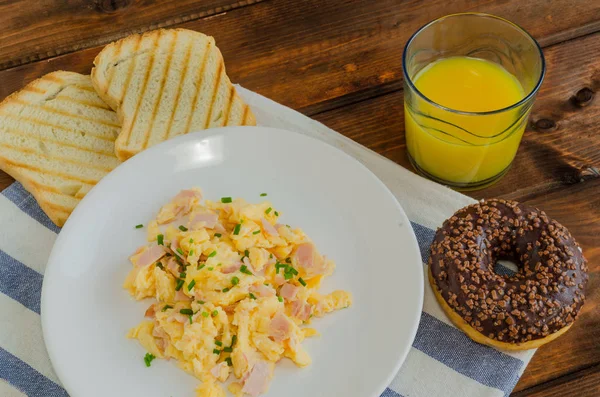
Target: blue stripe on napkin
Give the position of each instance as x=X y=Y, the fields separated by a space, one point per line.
x=424 y=237
x=439 y=341
x=27 y=379
x=390 y=393
x=25 y=201
x=20 y=282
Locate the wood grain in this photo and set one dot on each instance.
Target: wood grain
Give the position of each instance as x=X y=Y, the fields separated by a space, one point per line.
x=545 y=161
x=577 y=208
x=35 y=30
x=315 y=55
x=584 y=383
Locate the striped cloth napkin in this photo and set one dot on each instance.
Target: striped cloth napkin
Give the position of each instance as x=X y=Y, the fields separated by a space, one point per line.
x=442 y=361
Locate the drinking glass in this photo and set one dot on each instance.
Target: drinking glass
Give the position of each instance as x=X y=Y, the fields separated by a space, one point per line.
x=468 y=150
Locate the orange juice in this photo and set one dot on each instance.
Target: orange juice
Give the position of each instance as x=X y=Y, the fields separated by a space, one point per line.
x=464 y=141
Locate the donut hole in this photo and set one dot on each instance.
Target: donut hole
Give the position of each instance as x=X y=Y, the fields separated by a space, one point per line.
x=506 y=267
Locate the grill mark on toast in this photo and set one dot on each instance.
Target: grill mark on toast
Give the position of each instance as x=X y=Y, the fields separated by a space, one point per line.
x=41 y=122
x=144 y=86
x=245 y=115
x=186 y=61
x=58 y=158
x=125 y=89
x=35 y=89
x=82 y=102
x=214 y=94
x=111 y=74
x=228 y=111
x=200 y=81
x=64 y=113
x=16 y=164
x=86 y=88
x=51 y=77
x=16 y=132
x=160 y=90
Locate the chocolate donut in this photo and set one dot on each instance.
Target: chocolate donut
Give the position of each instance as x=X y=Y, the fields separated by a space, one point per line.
x=522 y=311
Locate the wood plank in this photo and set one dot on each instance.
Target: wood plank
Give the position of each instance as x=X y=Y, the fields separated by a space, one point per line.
x=578 y=208
x=546 y=160
x=35 y=30
x=344 y=49
x=585 y=383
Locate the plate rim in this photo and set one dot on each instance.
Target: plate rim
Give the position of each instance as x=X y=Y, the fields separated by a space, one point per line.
x=203 y=134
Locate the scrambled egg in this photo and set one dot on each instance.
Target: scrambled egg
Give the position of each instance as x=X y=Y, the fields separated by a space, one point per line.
x=234 y=290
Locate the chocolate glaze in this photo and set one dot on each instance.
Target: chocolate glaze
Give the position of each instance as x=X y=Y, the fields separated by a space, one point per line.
x=544 y=296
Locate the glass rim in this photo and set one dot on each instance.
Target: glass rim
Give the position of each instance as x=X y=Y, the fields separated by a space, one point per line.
x=525 y=99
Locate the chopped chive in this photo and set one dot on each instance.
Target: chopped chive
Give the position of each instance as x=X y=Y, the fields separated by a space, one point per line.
x=233 y=340
x=280 y=298
x=204 y=314
x=302 y=281
x=191 y=285
x=288 y=260
x=251 y=295
x=200 y=302
x=244 y=269
x=210 y=269
x=228 y=361
x=218 y=234
x=226 y=200
x=228 y=349
x=191 y=240
x=190 y=317
x=200 y=266
x=279 y=266
x=217 y=351
x=160 y=239
x=187 y=312
x=179 y=251
x=159 y=265
x=288 y=276
x=225 y=289
x=293 y=271
x=246 y=253
x=212 y=254
x=215 y=313
x=276 y=213
x=263 y=194
x=236 y=231
x=256 y=232
x=218 y=343
x=235 y=280
x=179 y=284
x=183 y=228
x=270 y=256
x=139 y=226
x=191 y=252
x=182 y=275
x=268 y=210
x=148 y=358
x=164 y=309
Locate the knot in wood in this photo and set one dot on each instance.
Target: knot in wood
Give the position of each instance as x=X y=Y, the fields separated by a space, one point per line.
x=545 y=125
x=583 y=97
x=110 y=6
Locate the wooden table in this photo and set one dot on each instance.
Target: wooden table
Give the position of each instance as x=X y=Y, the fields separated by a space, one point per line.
x=339 y=61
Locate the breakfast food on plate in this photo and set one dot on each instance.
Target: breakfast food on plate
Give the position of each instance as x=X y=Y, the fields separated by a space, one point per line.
x=523 y=311
x=166 y=83
x=57 y=138
x=233 y=289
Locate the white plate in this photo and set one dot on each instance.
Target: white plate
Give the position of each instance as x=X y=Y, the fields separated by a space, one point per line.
x=352 y=217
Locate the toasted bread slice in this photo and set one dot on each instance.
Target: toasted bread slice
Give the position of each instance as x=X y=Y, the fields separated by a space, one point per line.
x=57 y=138
x=166 y=83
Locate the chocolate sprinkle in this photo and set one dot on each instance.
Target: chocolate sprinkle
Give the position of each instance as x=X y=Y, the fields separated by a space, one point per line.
x=544 y=296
